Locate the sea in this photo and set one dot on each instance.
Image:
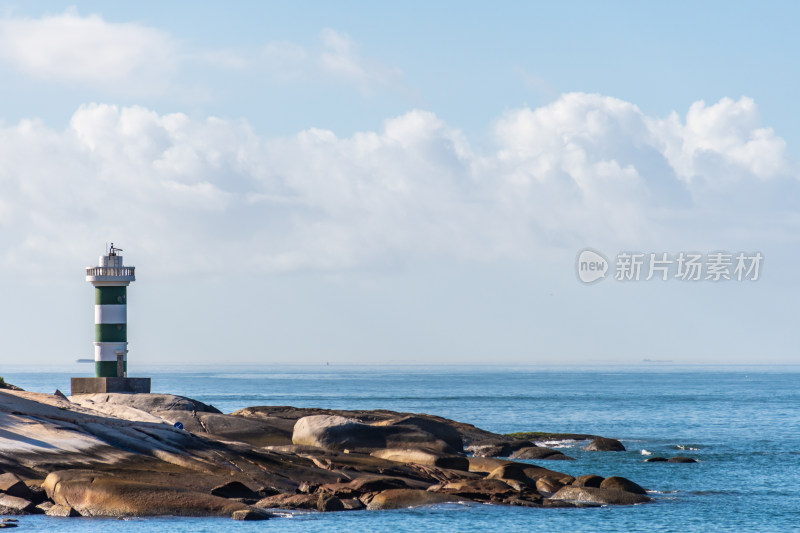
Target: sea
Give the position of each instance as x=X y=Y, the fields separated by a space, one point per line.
x=742 y=424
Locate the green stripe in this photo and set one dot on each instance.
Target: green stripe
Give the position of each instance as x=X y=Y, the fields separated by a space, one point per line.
x=107 y=369
x=109 y=295
x=110 y=332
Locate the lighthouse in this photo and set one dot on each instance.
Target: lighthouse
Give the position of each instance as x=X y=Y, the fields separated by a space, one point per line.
x=110 y=279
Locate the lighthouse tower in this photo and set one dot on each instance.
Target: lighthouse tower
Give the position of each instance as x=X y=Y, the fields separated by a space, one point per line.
x=110 y=279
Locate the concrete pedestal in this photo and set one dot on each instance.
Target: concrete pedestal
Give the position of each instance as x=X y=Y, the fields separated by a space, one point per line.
x=98 y=385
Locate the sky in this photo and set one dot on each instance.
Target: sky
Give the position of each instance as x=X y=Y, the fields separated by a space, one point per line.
x=408 y=183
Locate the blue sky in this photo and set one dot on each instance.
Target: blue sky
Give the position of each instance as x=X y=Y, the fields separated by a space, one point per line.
x=372 y=183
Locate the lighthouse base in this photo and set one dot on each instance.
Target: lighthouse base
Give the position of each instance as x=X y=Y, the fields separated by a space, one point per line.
x=99 y=385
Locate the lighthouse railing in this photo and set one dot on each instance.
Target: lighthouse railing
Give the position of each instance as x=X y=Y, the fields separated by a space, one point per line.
x=110 y=271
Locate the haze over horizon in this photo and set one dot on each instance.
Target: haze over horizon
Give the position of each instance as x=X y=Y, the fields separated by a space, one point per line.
x=399 y=184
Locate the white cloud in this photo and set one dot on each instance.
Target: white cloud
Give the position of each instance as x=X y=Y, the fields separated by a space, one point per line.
x=341 y=59
x=87 y=50
x=337 y=58
x=585 y=169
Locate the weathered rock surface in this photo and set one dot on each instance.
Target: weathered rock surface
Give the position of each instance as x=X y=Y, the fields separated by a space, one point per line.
x=423 y=457
x=12 y=485
x=540 y=453
x=63 y=511
x=93 y=495
x=119 y=455
x=250 y=515
x=339 y=433
x=11 y=505
x=621 y=483
x=588 y=480
x=681 y=459
x=405 y=498
x=602 y=444
x=599 y=495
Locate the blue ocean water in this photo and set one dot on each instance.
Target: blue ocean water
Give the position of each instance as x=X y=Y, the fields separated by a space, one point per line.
x=741 y=423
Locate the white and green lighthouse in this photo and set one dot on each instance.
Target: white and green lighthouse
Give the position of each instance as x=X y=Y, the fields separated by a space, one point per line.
x=110 y=279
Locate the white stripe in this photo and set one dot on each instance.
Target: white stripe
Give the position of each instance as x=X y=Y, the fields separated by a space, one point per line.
x=107 y=351
x=111 y=314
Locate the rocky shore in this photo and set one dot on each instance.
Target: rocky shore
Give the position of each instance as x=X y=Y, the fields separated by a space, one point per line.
x=158 y=454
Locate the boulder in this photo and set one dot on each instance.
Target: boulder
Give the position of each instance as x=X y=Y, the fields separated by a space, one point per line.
x=250 y=515
x=589 y=480
x=491 y=450
x=62 y=511
x=338 y=433
x=656 y=460
x=326 y=503
x=599 y=495
x=288 y=501
x=377 y=483
x=602 y=444
x=100 y=494
x=537 y=452
x=681 y=459
x=441 y=430
x=12 y=485
x=512 y=472
x=621 y=483
x=548 y=486
x=13 y=505
x=352 y=504
x=405 y=498
x=476 y=489
x=423 y=457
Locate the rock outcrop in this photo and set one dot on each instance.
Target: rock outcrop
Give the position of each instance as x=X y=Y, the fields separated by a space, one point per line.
x=602 y=444
x=120 y=455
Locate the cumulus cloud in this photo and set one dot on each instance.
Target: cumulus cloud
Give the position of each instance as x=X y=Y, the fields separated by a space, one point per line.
x=585 y=169
x=87 y=50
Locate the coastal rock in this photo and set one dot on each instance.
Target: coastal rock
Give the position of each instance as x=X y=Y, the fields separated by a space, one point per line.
x=512 y=472
x=498 y=447
x=602 y=444
x=12 y=485
x=599 y=495
x=12 y=505
x=339 y=433
x=63 y=511
x=286 y=416
x=423 y=457
x=250 y=515
x=656 y=460
x=621 y=483
x=476 y=489
x=289 y=501
x=548 y=486
x=97 y=494
x=327 y=503
x=681 y=459
x=405 y=498
x=589 y=480
x=377 y=484
x=540 y=453
x=352 y=504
